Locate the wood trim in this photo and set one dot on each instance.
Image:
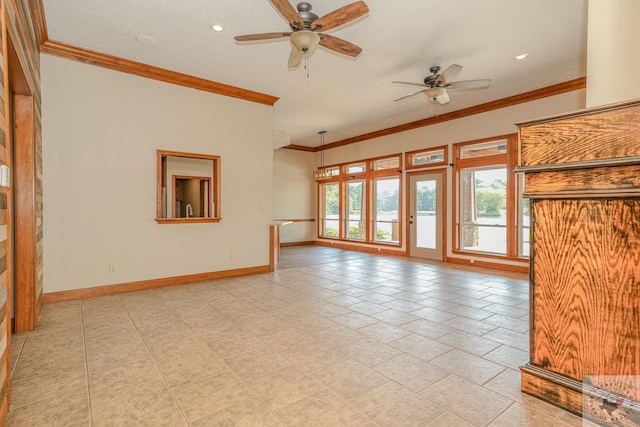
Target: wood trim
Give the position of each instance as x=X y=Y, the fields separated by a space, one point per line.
x=583 y=194
x=289 y=244
x=557 y=89
x=4 y=407
x=24 y=177
x=492 y=265
x=584 y=181
x=569 y=394
x=149 y=284
x=555 y=389
x=513 y=220
x=368 y=249
x=274 y=246
x=301 y=148
x=621 y=161
x=18 y=68
x=39 y=22
x=74 y=53
x=185 y=220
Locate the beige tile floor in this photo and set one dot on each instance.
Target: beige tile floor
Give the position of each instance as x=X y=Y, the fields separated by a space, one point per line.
x=332 y=338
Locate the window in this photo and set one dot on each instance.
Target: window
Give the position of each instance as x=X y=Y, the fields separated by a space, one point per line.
x=491 y=216
x=361 y=202
x=357 y=168
x=388 y=163
x=387 y=204
x=436 y=156
x=484 y=149
x=330 y=209
x=483 y=204
x=356 y=210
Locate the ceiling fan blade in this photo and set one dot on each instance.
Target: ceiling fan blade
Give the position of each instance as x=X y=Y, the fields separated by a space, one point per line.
x=469 y=84
x=295 y=57
x=288 y=12
x=411 y=84
x=449 y=74
x=407 y=96
x=443 y=99
x=263 y=36
x=338 y=45
x=341 y=16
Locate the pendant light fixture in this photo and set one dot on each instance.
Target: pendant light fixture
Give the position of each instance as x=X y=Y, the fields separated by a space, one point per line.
x=321 y=174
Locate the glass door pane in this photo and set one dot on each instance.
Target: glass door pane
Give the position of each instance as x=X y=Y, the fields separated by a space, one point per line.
x=426 y=215
x=425 y=218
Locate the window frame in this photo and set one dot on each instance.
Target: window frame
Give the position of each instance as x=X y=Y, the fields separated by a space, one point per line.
x=508 y=160
x=214 y=193
x=321 y=210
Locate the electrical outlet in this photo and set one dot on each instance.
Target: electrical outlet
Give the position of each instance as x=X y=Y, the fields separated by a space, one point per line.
x=233 y=255
x=113 y=267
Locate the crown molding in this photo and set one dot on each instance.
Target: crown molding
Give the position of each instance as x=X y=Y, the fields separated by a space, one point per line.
x=39 y=23
x=62 y=50
x=557 y=89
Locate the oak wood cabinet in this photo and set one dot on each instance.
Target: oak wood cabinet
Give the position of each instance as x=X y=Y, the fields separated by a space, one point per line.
x=582 y=176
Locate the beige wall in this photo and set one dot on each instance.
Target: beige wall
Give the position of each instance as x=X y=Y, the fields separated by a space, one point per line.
x=613 y=63
x=294 y=194
x=101 y=130
x=484 y=125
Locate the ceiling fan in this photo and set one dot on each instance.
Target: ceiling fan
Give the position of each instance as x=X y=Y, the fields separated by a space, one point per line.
x=436 y=85
x=307 y=29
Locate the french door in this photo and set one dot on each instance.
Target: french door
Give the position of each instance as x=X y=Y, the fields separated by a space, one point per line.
x=426 y=215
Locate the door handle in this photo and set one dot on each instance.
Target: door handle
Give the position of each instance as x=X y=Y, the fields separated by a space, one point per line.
x=410 y=219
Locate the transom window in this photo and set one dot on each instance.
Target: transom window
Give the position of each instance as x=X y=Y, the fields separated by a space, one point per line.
x=436 y=156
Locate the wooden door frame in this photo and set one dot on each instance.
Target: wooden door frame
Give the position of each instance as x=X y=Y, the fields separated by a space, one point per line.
x=22 y=201
x=443 y=202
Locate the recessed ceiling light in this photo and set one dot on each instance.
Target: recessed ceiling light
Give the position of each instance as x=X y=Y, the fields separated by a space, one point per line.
x=521 y=56
x=145 y=39
x=217 y=27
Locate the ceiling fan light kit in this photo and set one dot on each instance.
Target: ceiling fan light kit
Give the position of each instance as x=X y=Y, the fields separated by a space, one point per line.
x=434 y=92
x=304 y=40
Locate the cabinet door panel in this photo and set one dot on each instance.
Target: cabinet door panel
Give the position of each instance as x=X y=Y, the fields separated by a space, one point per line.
x=586 y=286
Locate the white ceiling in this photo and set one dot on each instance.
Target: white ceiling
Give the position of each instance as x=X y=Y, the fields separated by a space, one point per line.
x=346 y=96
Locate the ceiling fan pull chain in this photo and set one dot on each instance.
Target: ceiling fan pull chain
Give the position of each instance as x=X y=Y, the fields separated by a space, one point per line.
x=306 y=62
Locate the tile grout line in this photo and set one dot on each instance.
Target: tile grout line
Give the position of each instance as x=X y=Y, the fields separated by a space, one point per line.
x=86 y=364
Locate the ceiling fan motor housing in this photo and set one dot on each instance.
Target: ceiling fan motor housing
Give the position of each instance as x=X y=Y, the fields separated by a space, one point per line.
x=431 y=80
x=304 y=10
